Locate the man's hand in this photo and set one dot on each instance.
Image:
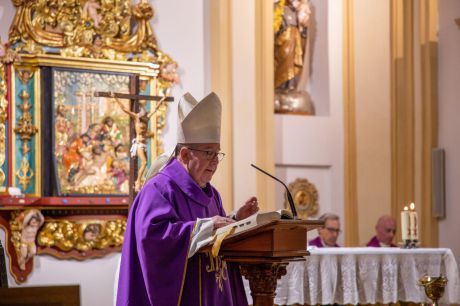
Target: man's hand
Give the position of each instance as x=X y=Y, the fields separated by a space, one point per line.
x=249 y=208
x=220 y=221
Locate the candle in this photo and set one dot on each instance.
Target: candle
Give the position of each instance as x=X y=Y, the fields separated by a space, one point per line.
x=405 y=221
x=413 y=222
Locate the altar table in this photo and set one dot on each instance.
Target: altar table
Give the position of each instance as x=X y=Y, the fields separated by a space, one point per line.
x=365 y=276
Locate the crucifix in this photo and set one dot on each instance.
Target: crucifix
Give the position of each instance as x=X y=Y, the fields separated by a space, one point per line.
x=140 y=120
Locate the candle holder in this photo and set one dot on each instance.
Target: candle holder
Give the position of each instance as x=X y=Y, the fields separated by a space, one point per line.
x=434 y=287
x=406 y=244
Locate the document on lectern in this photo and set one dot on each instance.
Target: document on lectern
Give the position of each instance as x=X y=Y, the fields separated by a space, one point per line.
x=240 y=226
x=255 y=219
x=243 y=225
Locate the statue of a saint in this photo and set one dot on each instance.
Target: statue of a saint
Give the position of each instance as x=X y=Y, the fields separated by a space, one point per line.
x=291 y=57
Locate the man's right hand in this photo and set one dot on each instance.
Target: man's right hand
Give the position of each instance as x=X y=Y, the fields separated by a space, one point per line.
x=220 y=221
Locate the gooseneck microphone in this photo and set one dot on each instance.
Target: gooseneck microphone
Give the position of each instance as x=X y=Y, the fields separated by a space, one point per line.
x=289 y=196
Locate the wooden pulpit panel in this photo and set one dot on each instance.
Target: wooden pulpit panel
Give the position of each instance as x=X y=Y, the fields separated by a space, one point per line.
x=279 y=238
x=264 y=251
x=40 y=296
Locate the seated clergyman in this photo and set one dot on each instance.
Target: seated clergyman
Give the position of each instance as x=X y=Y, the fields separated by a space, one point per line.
x=328 y=233
x=385 y=230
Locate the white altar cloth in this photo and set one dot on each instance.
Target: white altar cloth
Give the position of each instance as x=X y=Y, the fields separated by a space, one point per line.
x=365 y=276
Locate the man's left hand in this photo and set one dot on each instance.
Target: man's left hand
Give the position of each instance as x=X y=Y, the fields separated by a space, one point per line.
x=249 y=208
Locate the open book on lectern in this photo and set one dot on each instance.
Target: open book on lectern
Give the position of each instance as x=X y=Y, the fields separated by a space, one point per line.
x=256 y=219
x=259 y=218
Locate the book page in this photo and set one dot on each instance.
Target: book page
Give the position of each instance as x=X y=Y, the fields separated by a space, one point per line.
x=255 y=219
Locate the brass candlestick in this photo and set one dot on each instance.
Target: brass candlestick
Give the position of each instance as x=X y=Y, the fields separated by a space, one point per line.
x=434 y=287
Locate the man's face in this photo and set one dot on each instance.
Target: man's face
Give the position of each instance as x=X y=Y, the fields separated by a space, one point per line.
x=330 y=232
x=199 y=164
x=386 y=230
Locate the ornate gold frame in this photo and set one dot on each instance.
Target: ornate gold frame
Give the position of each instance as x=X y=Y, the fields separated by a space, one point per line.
x=305 y=196
x=114 y=37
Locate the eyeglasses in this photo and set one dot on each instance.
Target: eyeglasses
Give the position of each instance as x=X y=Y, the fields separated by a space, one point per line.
x=333 y=230
x=210 y=155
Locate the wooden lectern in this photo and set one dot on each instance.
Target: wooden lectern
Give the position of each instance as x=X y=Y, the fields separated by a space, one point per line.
x=264 y=251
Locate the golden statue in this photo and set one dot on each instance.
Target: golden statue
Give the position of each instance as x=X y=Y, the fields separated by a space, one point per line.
x=292 y=18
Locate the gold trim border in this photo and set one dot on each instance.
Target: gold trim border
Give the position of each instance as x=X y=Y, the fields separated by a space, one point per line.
x=13 y=125
x=142 y=68
x=37 y=136
x=221 y=82
x=185 y=265
x=264 y=96
x=429 y=93
x=351 y=216
x=402 y=106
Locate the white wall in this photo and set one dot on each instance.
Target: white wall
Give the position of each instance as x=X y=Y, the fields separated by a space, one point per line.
x=449 y=124
x=179 y=27
x=6 y=16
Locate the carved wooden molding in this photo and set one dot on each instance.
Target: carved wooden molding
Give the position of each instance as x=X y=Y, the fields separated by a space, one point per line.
x=262 y=279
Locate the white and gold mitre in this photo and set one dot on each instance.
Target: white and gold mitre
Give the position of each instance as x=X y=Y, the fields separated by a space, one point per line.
x=199 y=122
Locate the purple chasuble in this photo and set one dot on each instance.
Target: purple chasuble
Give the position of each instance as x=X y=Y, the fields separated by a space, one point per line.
x=375 y=243
x=319 y=244
x=154 y=268
x=316 y=242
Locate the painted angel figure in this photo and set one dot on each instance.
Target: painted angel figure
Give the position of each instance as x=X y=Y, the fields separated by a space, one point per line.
x=33 y=220
x=90 y=10
x=139 y=143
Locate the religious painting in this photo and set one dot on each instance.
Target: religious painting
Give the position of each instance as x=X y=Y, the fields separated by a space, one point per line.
x=90 y=134
x=305 y=196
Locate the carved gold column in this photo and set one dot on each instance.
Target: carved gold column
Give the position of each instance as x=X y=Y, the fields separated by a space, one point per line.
x=26 y=131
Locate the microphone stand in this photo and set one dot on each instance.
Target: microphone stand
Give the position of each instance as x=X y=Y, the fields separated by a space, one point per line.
x=288 y=193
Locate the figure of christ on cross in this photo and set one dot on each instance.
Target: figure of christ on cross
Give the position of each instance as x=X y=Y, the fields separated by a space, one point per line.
x=141 y=122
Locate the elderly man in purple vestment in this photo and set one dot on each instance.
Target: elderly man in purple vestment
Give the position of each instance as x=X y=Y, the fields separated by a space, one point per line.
x=329 y=233
x=176 y=210
x=385 y=232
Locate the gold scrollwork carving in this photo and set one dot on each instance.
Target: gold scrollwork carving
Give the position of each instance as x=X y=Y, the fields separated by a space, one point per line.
x=114 y=30
x=24 y=173
x=73 y=24
x=25 y=127
x=82 y=236
x=219 y=266
x=305 y=196
x=25 y=75
x=26 y=131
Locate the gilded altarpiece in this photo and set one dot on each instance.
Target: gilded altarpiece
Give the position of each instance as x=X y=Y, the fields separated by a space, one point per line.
x=65 y=165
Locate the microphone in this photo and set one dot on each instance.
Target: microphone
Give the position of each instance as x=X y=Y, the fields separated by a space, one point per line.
x=289 y=196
